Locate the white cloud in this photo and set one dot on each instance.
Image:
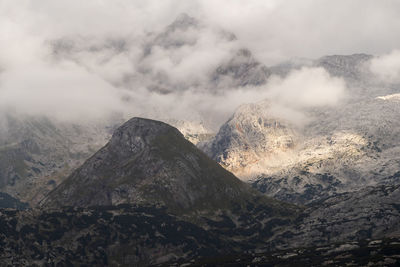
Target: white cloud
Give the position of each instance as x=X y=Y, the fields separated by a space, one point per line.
x=280 y=29
x=64 y=92
x=90 y=83
x=387 y=67
x=307 y=87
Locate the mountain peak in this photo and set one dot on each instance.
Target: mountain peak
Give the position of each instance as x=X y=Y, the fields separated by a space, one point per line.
x=182 y=22
x=150 y=162
x=139 y=132
x=184 y=19
x=251 y=140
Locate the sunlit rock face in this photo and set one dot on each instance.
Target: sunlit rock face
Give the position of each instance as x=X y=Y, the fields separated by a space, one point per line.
x=193 y=131
x=336 y=149
x=250 y=139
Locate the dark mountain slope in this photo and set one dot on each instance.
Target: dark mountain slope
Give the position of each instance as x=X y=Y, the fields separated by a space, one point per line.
x=36 y=153
x=150 y=162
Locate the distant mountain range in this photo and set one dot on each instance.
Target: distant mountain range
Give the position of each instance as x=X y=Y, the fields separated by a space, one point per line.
x=151 y=197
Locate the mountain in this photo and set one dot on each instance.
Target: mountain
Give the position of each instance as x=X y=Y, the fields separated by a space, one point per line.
x=150 y=196
x=149 y=175
x=353 y=68
x=251 y=138
x=238 y=68
x=338 y=149
x=36 y=153
x=150 y=162
x=173 y=35
x=349 y=66
x=155 y=60
x=162 y=183
x=241 y=70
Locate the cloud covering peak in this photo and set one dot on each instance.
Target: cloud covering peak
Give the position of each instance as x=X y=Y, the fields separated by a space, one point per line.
x=74 y=59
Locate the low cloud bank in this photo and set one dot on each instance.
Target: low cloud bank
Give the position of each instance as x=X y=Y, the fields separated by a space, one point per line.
x=121 y=58
x=387 y=67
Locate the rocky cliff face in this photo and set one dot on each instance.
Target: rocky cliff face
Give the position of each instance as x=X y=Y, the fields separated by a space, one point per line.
x=250 y=140
x=339 y=149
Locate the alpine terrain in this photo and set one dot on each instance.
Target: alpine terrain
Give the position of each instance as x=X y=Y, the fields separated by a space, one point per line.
x=132 y=134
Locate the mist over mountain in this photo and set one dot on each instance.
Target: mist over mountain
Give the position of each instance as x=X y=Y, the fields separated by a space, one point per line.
x=199 y=133
x=327 y=149
x=186 y=62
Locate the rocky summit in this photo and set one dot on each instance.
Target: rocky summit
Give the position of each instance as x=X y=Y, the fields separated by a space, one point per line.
x=250 y=140
x=150 y=162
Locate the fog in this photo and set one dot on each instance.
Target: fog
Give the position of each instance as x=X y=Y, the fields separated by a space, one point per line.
x=387 y=67
x=78 y=61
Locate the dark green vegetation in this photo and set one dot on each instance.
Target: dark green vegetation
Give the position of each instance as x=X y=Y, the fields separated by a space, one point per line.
x=101 y=236
x=127 y=235
x=7 y=201
x=383 y=252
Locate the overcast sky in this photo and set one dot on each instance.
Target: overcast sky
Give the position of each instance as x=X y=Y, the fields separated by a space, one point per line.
x=274 y=30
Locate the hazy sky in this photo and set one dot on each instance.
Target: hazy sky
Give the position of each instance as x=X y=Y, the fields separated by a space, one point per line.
x=274 y=30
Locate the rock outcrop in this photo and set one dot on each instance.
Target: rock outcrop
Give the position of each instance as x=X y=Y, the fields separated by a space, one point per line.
x=251 y=139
